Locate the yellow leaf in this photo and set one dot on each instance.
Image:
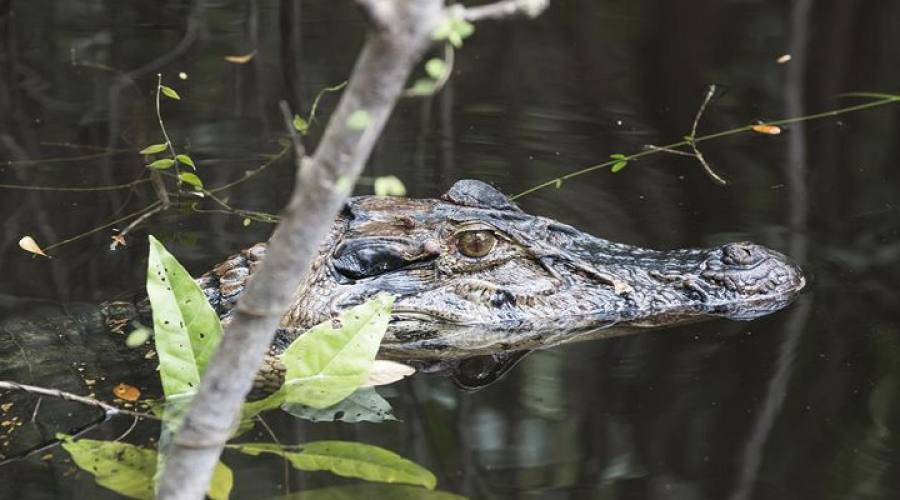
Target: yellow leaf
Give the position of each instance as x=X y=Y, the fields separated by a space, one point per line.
x=127 y=392
x=244 y=59
x=28 y=244
x=384 y=372
x=117 y=240
x=762 y=128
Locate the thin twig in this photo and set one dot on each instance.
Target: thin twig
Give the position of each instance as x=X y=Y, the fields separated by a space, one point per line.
x=104 y=226
x=279 y=155
x=55 y=442
x=285 y=461
x=887 y=99
x=664 y=149
x=288 y=117
x=146 y=215
x=158 y=185
x=113 y=187
x=130 y=428
x=319 y=95
x=92 y=156
x=109 y=409
x=449 y=57
x=691 y=139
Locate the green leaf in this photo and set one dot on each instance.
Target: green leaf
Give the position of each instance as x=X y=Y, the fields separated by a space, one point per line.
x=187 y=328
x=153 y=149
x=364 y=405
x=129 y=470
x=557 y=183
x=138 y=336
x=443 y=28
x=454 y=30
x=372 y=490
x=170 y=92
x=619 y=165
x=221 y=483
x=191 y=179
x=464 y=28
x=423 y=86
x=326 y=364
x=186 y=160
x=162 y=164
x=120 y=467
x=358 y=120
x=389 y=185
x=618 y=156
x=246 y=221
x=300 y=124
x=348 y=459
x=435 y=68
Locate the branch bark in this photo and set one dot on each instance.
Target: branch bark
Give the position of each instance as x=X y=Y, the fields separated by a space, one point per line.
x=505 y=8
x=402 y=31
x=322 y=185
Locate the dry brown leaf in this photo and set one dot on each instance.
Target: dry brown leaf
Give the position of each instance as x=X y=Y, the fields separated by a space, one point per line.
x=244 y=59
x=127 y=392
x=762 y=128
x=28 y=244
x=117 y=240
x=386 y=372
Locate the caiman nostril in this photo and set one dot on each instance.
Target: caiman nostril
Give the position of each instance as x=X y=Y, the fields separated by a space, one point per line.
x=740 y=254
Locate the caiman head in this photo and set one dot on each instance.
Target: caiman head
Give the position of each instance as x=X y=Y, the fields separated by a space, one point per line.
x=473 y=274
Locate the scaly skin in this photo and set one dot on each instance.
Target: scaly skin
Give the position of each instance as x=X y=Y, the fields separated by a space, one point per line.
x=539 y=284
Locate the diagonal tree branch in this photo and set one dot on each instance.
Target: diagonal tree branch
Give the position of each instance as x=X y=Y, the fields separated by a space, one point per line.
x=402 y=31
x=322 y=184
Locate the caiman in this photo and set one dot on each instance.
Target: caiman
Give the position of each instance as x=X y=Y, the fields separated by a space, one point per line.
x=474 y=275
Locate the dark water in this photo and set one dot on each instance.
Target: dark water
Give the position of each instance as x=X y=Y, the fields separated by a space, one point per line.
x=802 y=404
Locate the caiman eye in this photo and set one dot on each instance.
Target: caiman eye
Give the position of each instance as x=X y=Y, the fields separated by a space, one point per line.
x=476 y=243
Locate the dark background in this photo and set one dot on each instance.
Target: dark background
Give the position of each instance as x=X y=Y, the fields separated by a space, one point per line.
x=802 y=404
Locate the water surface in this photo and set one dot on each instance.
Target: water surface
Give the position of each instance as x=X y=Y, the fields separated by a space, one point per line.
x=802 y=404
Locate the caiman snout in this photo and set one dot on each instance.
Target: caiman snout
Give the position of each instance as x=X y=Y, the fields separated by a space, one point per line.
x=748 y=269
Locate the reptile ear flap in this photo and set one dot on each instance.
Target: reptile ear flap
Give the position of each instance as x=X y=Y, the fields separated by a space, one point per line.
x=472 y=193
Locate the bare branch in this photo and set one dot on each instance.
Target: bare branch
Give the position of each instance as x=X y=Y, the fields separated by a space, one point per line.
x=692 y=142
x=505 y=8
x=322 y=184
x=107 y=408
x=382 y=13
x=404 y=30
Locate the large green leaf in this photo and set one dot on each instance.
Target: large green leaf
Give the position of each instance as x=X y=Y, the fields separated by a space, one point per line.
x=129 y=470
x=378 y=491
x=326 y=364
x=364 y=405
x=121 y=467
x=187 y=328
x=348 y=459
